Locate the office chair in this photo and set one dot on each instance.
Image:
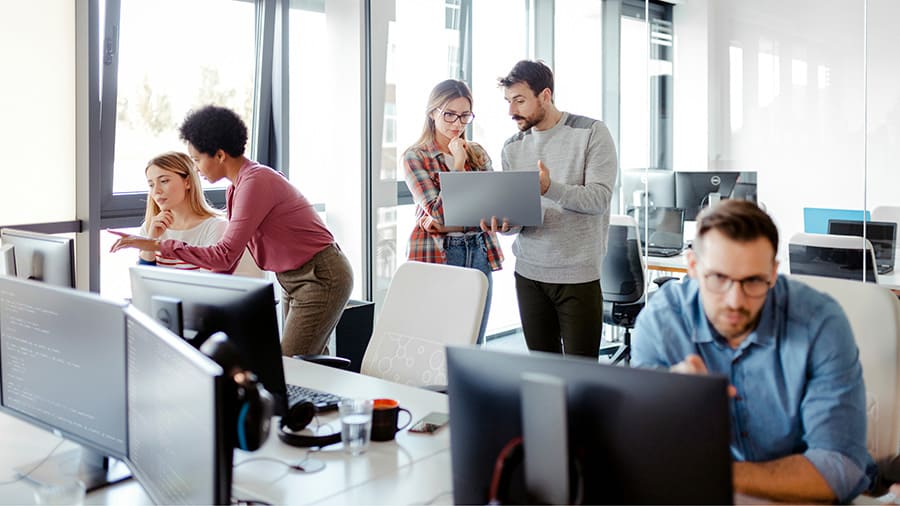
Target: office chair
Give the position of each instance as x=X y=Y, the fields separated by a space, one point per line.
x=833 y=256
x=874 y=314
x=427 y=307
x=622 y=283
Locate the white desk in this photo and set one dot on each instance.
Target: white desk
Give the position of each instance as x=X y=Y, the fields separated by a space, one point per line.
x=413 y=468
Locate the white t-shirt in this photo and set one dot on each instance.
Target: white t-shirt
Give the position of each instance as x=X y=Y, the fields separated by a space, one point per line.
x=207 y=233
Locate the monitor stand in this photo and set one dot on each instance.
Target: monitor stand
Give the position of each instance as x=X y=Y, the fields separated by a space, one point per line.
x=95 y=470
x=545 y=438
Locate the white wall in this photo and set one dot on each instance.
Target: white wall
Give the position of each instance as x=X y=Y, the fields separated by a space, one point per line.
x=37 y=111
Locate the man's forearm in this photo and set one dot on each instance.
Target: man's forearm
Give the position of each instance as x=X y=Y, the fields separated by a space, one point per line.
x=792 y=479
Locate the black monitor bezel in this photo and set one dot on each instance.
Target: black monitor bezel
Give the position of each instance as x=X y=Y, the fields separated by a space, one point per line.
x=688 y=195
x=870 y=226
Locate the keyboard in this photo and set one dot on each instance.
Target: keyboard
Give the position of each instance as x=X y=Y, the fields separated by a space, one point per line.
x=663 y=252
x=323 y=401
x=884 y=268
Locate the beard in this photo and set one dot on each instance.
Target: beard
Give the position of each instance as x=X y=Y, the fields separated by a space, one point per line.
x=528 y=122
x=730 y=330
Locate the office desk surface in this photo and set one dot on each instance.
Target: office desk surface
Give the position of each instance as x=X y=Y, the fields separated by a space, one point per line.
x=413 y=468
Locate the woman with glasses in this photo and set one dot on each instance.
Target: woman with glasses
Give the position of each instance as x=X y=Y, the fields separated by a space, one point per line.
x=442 y=147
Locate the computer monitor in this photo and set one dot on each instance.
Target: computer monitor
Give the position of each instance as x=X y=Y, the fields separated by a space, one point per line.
x=820 y=256
x=241 y=307
x=664 y=226
x=815 y=219
x=177 y=445
x=7 y=260
x=62 y=367
x=693 y=190
x=650 y=187
x=42 y=257
x=882 y=235
x=636 y=436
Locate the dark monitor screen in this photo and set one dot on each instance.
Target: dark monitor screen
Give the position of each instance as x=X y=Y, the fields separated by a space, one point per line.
x=832 y=262
x=637 y=436
x=176 y=435
x=882 y=235
x=42 y=257
x=664 y=226
x=693 y=189
x=651 y=187
x=62 y=362
x=241 y=307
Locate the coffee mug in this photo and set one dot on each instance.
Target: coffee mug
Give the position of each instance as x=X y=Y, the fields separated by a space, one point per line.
x=385 y=415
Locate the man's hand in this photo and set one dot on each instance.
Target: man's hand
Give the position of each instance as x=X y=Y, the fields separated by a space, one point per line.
x=545 y=176
x=693 y=364
x=494 y=228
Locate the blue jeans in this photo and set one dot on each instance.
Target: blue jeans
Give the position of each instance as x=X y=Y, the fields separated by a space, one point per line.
x=471 y=251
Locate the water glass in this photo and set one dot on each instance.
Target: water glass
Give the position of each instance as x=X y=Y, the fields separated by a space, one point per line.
x=356 y=424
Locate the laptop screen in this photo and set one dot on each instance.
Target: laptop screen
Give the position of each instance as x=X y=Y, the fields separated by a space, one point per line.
x=882 y=235
x=663 y=225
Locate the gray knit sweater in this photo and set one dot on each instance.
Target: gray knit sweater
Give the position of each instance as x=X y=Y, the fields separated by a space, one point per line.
x=581 y=157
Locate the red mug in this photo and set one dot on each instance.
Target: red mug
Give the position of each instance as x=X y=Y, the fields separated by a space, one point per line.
x=385 y=415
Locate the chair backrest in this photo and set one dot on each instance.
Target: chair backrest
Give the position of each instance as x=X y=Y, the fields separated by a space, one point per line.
x=874 y=314
x=833 y=256
x=622 y=276
x=427 y=307
x=887 y=213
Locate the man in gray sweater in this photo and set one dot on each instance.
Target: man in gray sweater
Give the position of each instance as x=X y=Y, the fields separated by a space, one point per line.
x=558 y=264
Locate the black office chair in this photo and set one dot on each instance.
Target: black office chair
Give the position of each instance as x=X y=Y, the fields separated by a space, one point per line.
x=622 y=283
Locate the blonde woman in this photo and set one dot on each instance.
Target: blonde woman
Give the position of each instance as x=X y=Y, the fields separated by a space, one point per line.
x=443 y=147
x=177 y=209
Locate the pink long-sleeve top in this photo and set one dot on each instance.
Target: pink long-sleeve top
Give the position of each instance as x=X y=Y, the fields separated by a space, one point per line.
x=268 y=214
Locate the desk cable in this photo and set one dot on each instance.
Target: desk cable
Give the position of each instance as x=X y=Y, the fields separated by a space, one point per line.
x=23 y=476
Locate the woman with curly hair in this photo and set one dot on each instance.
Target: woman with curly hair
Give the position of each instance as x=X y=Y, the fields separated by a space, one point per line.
x=268 y=215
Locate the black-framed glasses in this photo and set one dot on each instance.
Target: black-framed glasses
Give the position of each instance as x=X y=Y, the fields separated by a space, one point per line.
x=754 y=286
x=451 y=117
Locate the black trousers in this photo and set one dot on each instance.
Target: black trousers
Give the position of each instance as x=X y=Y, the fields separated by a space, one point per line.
x=561 y=318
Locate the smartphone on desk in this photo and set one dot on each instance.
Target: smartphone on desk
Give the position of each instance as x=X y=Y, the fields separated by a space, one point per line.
x=430 y=423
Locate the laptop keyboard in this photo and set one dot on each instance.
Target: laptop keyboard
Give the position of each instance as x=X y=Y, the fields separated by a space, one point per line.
x=884 y=268
x=323 y=401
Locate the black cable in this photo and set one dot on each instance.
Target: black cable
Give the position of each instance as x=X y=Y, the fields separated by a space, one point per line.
x=33 y=469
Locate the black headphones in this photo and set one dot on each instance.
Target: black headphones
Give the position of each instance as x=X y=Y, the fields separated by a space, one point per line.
x=250 y=405
x=297 y=418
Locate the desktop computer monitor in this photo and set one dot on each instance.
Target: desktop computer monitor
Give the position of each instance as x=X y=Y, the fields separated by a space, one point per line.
x=693 y=190
x=7 y=260
x=177 y=446
x=636 y=436
x=241 y=307
x=651 y=187
x=882 y=235
x=42 y=257
x=62 y=367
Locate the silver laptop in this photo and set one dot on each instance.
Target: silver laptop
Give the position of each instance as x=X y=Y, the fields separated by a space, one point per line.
x=470 y=197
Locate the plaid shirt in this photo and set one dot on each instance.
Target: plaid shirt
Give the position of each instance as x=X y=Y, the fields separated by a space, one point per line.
x=423 y=164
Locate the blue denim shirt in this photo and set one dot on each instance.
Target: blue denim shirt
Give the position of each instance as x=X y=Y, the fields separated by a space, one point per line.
x=798 y=376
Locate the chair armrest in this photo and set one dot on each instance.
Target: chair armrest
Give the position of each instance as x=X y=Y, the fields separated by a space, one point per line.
x=329 y=360
x=660 y=281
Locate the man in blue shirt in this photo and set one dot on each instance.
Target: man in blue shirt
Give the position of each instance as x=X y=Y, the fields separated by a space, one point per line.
x=798 y=407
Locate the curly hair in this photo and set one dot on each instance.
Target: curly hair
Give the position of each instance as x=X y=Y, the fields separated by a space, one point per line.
x=212 y=128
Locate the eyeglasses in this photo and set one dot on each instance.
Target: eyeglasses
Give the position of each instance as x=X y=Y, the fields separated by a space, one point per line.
x=754 y=286
x=451 y=117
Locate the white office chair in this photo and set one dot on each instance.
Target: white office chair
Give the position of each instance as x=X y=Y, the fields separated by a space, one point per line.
x=834 y=256
x=427 y=307
x=874 y=314
x=886 y=213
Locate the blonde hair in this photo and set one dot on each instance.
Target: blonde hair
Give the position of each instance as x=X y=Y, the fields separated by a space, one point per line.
x=443 y=93
x=181 y=165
